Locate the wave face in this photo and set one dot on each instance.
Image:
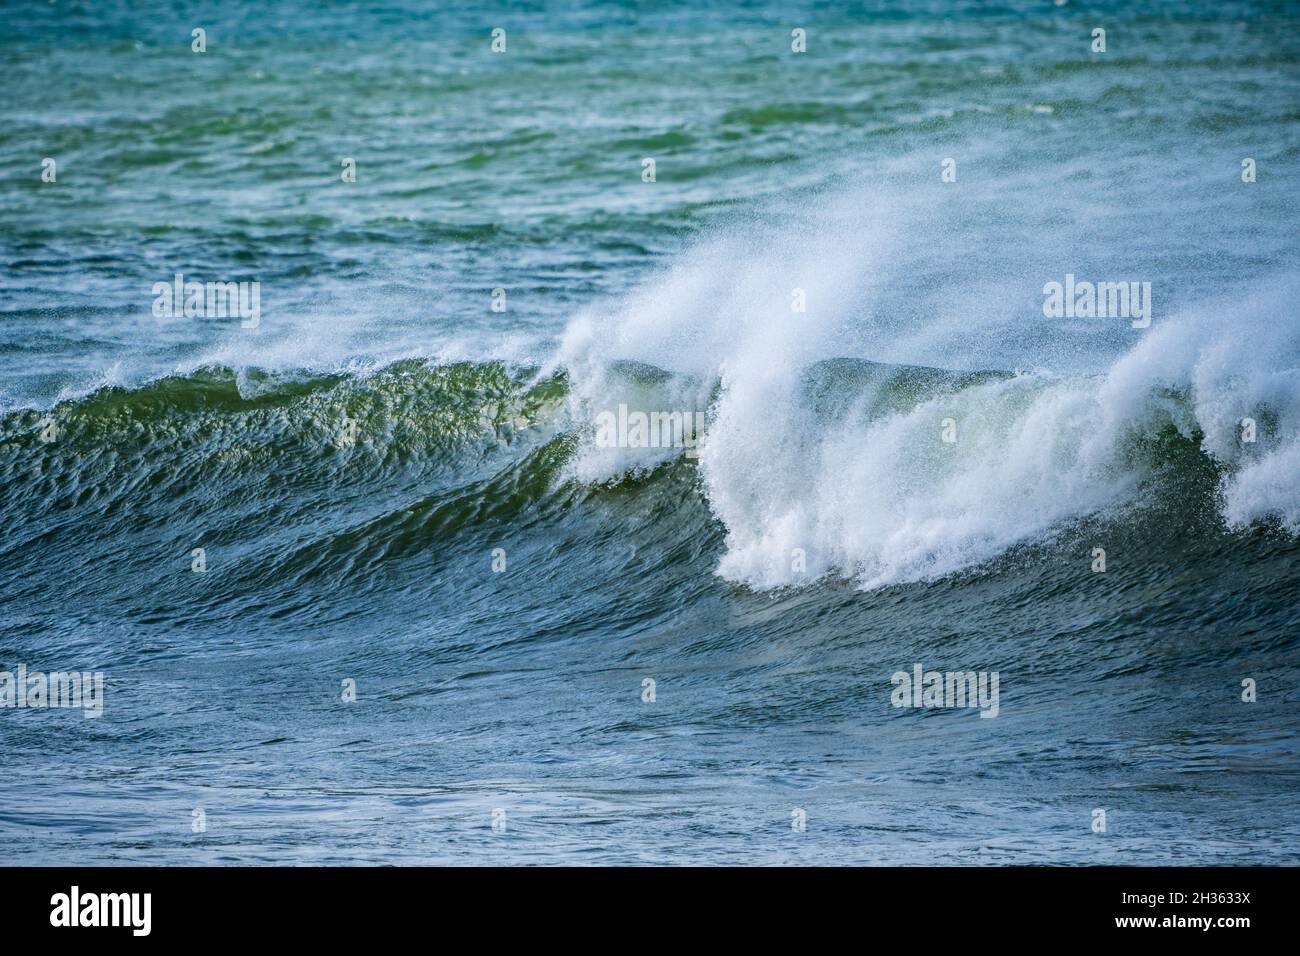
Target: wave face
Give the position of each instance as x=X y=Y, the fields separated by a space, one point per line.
x=900 y=459
x=813 y=466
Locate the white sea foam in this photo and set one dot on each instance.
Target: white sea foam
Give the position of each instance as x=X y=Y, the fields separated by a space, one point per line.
x=877 y=495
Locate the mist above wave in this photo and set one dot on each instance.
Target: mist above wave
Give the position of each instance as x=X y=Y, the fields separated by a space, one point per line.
x=954 y=468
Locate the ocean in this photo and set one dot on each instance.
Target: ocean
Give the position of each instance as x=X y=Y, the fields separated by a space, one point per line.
x=626 y=408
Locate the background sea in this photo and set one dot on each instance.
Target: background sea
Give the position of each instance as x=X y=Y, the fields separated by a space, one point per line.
x=350 y=465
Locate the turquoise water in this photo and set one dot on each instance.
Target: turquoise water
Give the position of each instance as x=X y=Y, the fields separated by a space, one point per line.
x=357 y=466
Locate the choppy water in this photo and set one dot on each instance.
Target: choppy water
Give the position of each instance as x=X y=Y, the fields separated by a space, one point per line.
x=350 y=465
